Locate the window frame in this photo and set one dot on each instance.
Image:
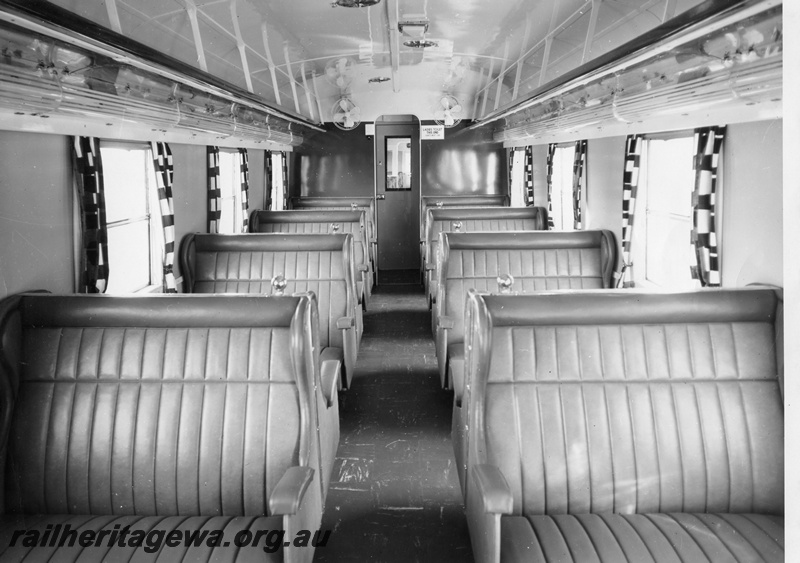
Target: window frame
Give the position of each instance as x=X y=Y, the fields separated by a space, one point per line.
x=562 y=192
x=639 y=250
x=276 y=189
x=236 y=190
x=155 y=232
x=518 y=173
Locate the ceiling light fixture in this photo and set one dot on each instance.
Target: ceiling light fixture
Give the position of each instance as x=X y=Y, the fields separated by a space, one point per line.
x=415 y=28
x=354 y=3
x=420 y=43
x=379 y=79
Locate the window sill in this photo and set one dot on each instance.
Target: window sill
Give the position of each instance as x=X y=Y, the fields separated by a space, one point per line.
x=648 y=285
x=158 y=288
x=150 y=289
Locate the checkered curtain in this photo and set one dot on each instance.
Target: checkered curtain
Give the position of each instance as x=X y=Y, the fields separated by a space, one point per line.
x=577 y=182
x=511 y=153
x=214 y=194
x=285 y=166
x=630 y=184
x=707 y=147
x=162 y=161
x=244 y=183
x=268 y=180
x=551 y=152
x=528 y=175
x=88 y=173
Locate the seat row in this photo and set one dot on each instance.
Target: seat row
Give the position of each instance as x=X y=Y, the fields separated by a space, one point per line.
x=467 y=220
x=594 y=424
x=164 y=417
x=323 y=221
x=620 y=426
x=187 y=414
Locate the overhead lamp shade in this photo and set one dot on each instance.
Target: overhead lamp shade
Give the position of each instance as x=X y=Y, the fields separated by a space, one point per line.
x=356 y=3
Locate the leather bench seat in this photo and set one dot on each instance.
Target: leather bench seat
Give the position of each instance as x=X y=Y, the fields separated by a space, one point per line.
x=642 y=538
x=319 y=222
x=428 y=202
x=247 y=263
x=536 y=260
x=331 y=203
x=625 y=426
x=469 y=220
x=163 y=412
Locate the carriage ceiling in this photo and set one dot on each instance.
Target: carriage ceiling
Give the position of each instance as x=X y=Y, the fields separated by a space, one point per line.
x=301 y=56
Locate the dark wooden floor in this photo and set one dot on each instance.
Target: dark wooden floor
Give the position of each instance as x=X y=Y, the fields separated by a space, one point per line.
x=394 y=493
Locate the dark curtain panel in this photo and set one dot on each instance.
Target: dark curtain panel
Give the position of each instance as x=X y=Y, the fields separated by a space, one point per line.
x=213 y=194
x=630 y=184
x=244 y=184
x=88 y=173
x=707 y=147
x=162 y=161
x=577 y=183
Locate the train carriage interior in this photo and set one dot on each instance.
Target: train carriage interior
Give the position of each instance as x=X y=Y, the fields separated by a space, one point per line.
x=398 y=280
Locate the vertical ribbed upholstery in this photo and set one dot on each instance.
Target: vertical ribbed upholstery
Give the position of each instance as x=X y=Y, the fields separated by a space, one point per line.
x=470 y=220
x=532 y=269
x=480 y=200
x=537 y=260
x=247 y=264
x=473 y=226
x=152 y=421
x=117 y=418
x=319 y=221
x=320 y=271
x=345 y=204
x=660 y=406
x=653 y=418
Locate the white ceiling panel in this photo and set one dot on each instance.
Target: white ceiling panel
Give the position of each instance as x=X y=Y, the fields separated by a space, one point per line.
x=486 y=37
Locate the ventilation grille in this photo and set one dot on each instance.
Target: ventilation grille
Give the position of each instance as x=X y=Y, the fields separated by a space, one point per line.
x=745 y=87
x=41 y=77
x=736 y=67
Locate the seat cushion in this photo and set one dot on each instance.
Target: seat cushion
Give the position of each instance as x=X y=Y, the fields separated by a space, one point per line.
x=674 y=537
x=153 y=533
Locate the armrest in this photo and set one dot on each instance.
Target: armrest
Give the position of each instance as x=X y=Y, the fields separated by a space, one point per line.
x=492 y=487
x=290 y=490
x=329 y=374
x=343 y=323
x=429 y=267
x=457 y=382
x=446 y=322
x=362 y=268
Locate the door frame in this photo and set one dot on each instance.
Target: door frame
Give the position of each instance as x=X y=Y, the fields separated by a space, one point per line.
x=414 y=121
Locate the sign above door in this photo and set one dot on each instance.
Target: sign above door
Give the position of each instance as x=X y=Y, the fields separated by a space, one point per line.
x=431 y=132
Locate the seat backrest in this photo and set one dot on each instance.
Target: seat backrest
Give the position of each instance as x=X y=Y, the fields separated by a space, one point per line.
x=366 y=204
x=471 y=219
x=247 y=264
x=480 y=200
x=628 y=402
x=315 y=221
x=537 y=260
x=158 y=405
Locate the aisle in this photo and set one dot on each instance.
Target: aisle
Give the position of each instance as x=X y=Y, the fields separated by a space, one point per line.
x=394 y=492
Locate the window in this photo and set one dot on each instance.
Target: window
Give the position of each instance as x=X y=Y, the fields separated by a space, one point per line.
x=518 y=178
x=135 y=237
x=277 y=181
x=230 y=187
x=561 y=194
x=663 y=222
x=397 y=156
